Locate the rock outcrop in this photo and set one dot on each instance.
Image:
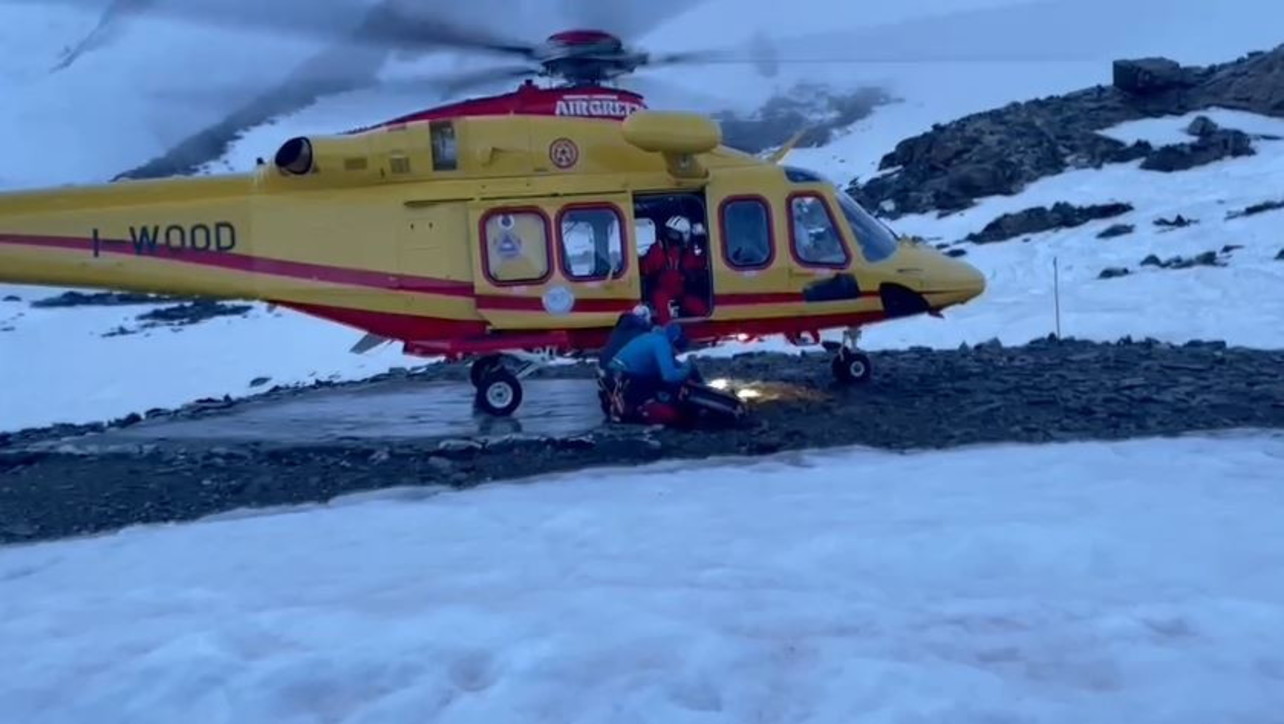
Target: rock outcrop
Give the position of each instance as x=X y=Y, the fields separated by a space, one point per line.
x=1212 y=143
x=1060 y=215
x=999 y=152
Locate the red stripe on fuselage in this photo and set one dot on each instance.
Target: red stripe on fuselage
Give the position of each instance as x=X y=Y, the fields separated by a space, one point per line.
x=367 y=278
x=254 y=265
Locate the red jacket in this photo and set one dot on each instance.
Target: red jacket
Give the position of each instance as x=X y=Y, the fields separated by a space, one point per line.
x=669 y=263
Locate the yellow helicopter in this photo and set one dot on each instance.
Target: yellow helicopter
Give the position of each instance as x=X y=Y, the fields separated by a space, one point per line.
x=509 y=229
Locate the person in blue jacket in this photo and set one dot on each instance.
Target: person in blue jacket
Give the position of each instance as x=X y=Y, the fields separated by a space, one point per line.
x=630 y=325
x=649 y=368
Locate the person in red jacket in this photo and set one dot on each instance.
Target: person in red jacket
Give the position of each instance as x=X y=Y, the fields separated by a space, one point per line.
x=669 y=264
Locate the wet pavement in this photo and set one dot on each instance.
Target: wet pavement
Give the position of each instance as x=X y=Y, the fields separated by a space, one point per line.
x=404 y=410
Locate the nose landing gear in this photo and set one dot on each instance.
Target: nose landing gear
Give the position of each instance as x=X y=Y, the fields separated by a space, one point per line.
x=497 y=378
x=849 y=366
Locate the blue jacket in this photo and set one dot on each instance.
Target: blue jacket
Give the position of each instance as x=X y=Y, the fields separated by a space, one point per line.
x=627 y=327
x=652 y=355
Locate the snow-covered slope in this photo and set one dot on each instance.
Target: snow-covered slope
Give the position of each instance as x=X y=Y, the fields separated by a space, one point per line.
x=123 y=103
x=1124 y=582
x=57 y=365
x=1240 y=302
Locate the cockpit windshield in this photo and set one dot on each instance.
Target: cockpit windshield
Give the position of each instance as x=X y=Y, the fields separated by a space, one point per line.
x=877 y=242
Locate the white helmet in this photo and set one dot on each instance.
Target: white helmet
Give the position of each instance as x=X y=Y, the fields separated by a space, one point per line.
x=679 y=225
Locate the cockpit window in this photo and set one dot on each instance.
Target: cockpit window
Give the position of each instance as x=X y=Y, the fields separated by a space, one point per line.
x=877 y=242
x=816 y=238
x=803 y=176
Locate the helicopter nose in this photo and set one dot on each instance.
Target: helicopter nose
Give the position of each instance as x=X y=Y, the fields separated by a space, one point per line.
x=968 y=279
x=957 y=282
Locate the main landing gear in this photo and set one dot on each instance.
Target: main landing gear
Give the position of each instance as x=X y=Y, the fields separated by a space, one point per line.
x=497 y=379
x=849 y=365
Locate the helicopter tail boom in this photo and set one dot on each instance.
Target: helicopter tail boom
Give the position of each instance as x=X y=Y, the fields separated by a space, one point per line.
x=170 y=237
x=228 y=237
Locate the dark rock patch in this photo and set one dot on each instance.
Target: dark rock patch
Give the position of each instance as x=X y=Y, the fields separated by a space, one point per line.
x=194 y=312
x=999 y=152
x=1202 y=126
x=1280 y=256
x=1207 y=258
x=1114 y=230
x=1150 y=76
x=1255 y=209
x=12 y=298
x=1114 y=272
x=181 y=315
x=1048 y=390
x=1061 y=215
x=178 y=316
x=1214 y=146
x=105 y=299
x=1177 y=222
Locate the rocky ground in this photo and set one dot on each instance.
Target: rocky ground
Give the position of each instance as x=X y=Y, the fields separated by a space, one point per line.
x=999 y=152
x=1046 y=391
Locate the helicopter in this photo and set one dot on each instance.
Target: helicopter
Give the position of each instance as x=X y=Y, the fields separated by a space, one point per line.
x=507 y=229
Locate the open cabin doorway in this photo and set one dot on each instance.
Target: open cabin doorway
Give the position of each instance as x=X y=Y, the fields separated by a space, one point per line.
x=672 y=231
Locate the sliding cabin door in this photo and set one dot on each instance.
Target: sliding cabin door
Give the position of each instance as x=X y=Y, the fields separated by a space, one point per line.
x=747 y=253
x=545 y=264
x=434 y=262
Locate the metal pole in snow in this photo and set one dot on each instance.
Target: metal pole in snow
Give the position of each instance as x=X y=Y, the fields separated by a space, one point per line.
x=1056 y=294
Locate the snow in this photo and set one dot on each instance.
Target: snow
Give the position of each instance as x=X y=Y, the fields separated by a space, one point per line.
x=1163 y=131
x=1138 y=581
x=60 y=367
x=83 y=375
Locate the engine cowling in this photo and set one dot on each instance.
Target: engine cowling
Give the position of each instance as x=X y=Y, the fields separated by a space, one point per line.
x=341 y=160
x=678 y=137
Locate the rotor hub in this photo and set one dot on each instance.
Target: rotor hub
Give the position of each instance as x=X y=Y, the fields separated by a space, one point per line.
x=585 y=56
x=578 y=38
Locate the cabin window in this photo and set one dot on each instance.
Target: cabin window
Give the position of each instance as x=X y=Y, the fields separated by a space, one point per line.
x=746 y=233
x=517 y=246
x=814 y=234
x=592 y=243
x=445 y=150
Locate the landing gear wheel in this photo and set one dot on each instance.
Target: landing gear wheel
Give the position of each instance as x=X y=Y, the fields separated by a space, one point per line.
x=483 y=366
x=851 y=367
x=499 y=393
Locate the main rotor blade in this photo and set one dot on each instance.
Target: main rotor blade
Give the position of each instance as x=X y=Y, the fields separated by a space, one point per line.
x=433 y=88
x=444 y=86
x=382 y=24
